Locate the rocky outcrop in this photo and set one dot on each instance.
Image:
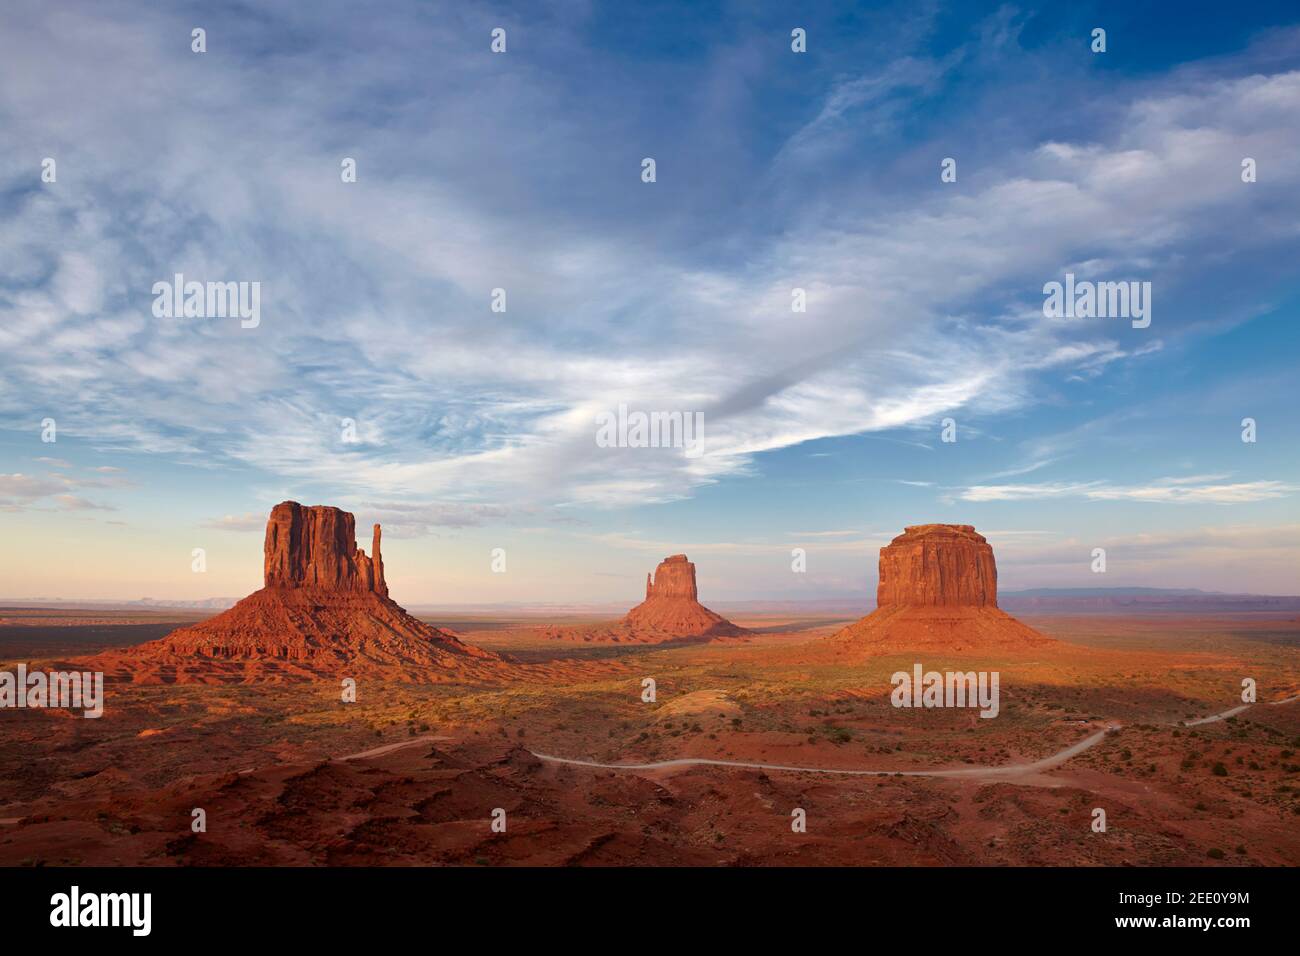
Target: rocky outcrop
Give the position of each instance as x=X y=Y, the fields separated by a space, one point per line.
x=671 y=606
x=316 y=547
x=674 y=578
x=938 y=565
x=938 y=591
x=324 y=611
x=671 y=612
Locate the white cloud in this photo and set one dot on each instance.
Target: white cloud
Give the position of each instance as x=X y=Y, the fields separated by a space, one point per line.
x=244 y=522
x=375 y=295
x=19 y=491
x=77 y=503
x=1163 y=490
x=20 y=486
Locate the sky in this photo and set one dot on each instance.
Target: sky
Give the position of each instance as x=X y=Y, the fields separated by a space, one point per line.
x=379 y=377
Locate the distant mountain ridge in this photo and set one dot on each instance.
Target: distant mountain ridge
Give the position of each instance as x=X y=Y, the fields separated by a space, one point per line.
x=104 y=604
x=1143 y=600
x=1108 y=592
x=1038 y=600
x=217 y=603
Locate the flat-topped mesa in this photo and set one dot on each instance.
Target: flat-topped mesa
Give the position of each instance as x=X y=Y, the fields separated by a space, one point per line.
x=938 y=565
x=938 y=591
x=674 y=578
x=316 y=547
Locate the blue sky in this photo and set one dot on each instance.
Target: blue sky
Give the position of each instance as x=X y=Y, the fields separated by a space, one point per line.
x=522 y=171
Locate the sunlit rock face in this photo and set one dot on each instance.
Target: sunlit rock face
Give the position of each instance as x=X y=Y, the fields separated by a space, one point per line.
x=943 y=565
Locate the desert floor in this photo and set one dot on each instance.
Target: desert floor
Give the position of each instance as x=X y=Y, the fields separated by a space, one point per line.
x=412 y=774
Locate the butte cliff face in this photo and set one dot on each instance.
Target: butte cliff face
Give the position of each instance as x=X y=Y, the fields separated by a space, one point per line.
x=316 y=547
x=324 y=611
x=945 y=565
x=938 y=590
x=672 y=607
x=674 y=578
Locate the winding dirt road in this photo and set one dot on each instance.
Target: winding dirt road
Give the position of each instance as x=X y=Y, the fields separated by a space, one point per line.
x=1237 y=710
x=1009 y=770
x=389 y=748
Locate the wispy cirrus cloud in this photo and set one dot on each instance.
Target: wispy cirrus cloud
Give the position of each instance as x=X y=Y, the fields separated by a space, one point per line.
x=20 y=492
x=55 y=487
x=78 y=503
x=243 y=522
x=922 y=299
x=1185 y=490
x=18 y=487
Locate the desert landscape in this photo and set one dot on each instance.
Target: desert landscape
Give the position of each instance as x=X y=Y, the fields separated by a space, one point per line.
x=549 y=728
x=482 y=465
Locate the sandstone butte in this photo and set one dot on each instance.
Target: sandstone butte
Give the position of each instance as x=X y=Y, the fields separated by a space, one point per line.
x=671 y=611
x=672 y=605
x=324 y=610
x=938 y=590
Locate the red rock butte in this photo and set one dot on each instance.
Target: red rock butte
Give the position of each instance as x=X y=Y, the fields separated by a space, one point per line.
x=324 y=610
x=947 y=565
x=938 y=590
x=316 y=547
x=672 y=605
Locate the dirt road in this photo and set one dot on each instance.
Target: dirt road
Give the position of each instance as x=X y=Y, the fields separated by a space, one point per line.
x=1008 y=770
